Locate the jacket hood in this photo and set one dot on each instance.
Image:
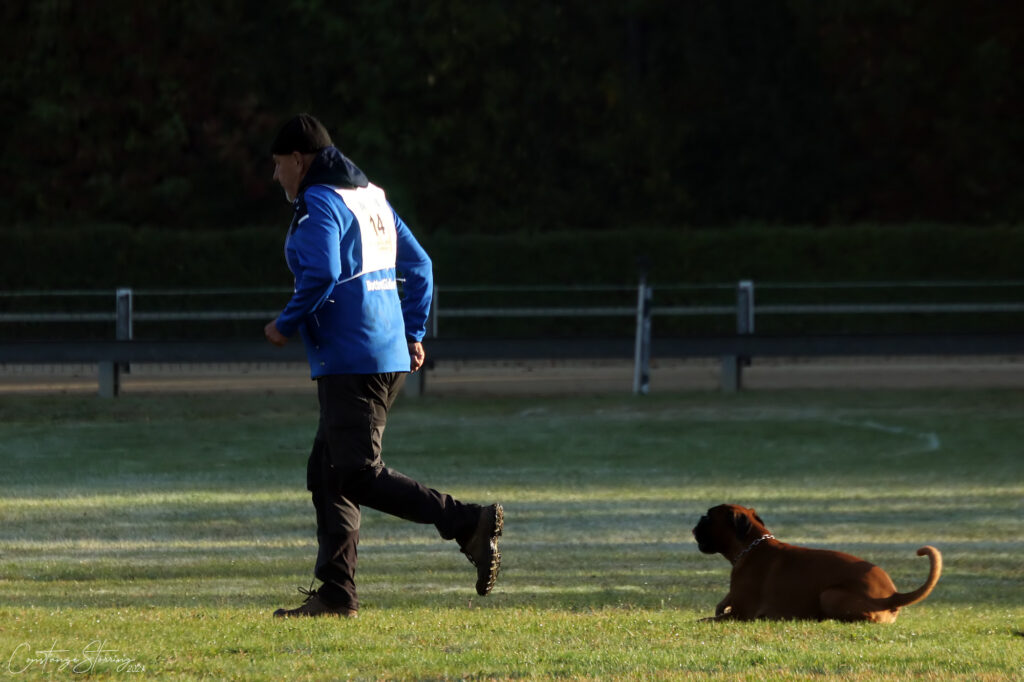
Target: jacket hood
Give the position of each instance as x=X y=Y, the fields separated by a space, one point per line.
x=331 y=167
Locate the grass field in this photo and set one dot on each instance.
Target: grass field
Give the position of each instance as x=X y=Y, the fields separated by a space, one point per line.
x=154 y=536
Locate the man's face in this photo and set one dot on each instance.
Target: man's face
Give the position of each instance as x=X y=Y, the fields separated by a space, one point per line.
x=288 y=171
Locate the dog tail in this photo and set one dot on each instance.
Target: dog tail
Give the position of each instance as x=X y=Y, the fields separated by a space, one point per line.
x=901 y=599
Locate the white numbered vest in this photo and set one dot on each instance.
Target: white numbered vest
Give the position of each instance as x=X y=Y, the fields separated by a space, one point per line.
x=376 y=228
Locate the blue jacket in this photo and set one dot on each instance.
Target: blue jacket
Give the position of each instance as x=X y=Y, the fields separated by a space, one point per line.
x=346 y=247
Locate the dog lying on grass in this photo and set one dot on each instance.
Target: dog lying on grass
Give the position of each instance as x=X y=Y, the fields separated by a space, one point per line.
x=777 y=581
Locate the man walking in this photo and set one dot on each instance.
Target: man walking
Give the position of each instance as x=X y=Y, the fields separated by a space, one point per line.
x=345 y=247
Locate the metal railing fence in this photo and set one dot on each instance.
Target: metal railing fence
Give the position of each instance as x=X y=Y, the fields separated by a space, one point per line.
x=740 y=308
x=169 y=305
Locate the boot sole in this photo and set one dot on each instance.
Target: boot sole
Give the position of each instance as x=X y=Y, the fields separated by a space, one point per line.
x=281 y=613
x=485 y=580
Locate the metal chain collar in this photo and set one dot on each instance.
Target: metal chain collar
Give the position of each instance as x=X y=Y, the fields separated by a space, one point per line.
x=754 y=544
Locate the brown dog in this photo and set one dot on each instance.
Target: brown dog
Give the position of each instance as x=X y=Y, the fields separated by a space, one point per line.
x=773 y=580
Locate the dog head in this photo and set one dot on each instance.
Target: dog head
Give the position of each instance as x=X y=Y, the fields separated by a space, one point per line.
x=726 y=527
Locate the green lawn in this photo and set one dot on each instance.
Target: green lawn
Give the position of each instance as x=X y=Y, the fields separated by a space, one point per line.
x=155 y=535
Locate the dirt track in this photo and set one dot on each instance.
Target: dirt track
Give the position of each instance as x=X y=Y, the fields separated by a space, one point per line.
x=546 y=378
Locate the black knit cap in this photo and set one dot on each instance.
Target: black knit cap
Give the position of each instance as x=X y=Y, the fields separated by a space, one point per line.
x=303 y=134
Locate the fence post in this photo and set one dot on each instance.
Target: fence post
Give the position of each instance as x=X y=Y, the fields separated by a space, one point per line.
x=745 y=307
x=732 y=365
x=125 y=326
x=110 y=370
x=642 y=348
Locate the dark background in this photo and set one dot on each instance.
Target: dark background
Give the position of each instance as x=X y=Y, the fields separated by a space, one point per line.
x=489 y=117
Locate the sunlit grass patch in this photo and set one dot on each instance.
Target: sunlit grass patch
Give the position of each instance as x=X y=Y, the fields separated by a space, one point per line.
x=170 y=528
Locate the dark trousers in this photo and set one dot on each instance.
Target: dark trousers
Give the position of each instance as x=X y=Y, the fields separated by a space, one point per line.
x=345 y=472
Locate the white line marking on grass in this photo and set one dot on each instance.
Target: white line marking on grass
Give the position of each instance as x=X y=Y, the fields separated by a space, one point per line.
x=534 y=412
x=930 y=439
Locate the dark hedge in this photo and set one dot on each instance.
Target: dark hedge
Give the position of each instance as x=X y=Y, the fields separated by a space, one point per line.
x=501 y=116
x=106 y=256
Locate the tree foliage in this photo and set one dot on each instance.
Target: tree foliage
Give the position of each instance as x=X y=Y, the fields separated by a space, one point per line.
x=486 y=116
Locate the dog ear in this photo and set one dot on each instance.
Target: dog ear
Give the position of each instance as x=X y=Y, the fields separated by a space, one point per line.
x=741 y=524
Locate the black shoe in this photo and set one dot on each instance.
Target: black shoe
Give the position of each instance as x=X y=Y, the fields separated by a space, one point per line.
x=315 y=606
x=482 y=547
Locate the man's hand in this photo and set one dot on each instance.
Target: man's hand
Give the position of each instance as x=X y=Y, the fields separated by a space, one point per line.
x=417 y=355
x=273 y=335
